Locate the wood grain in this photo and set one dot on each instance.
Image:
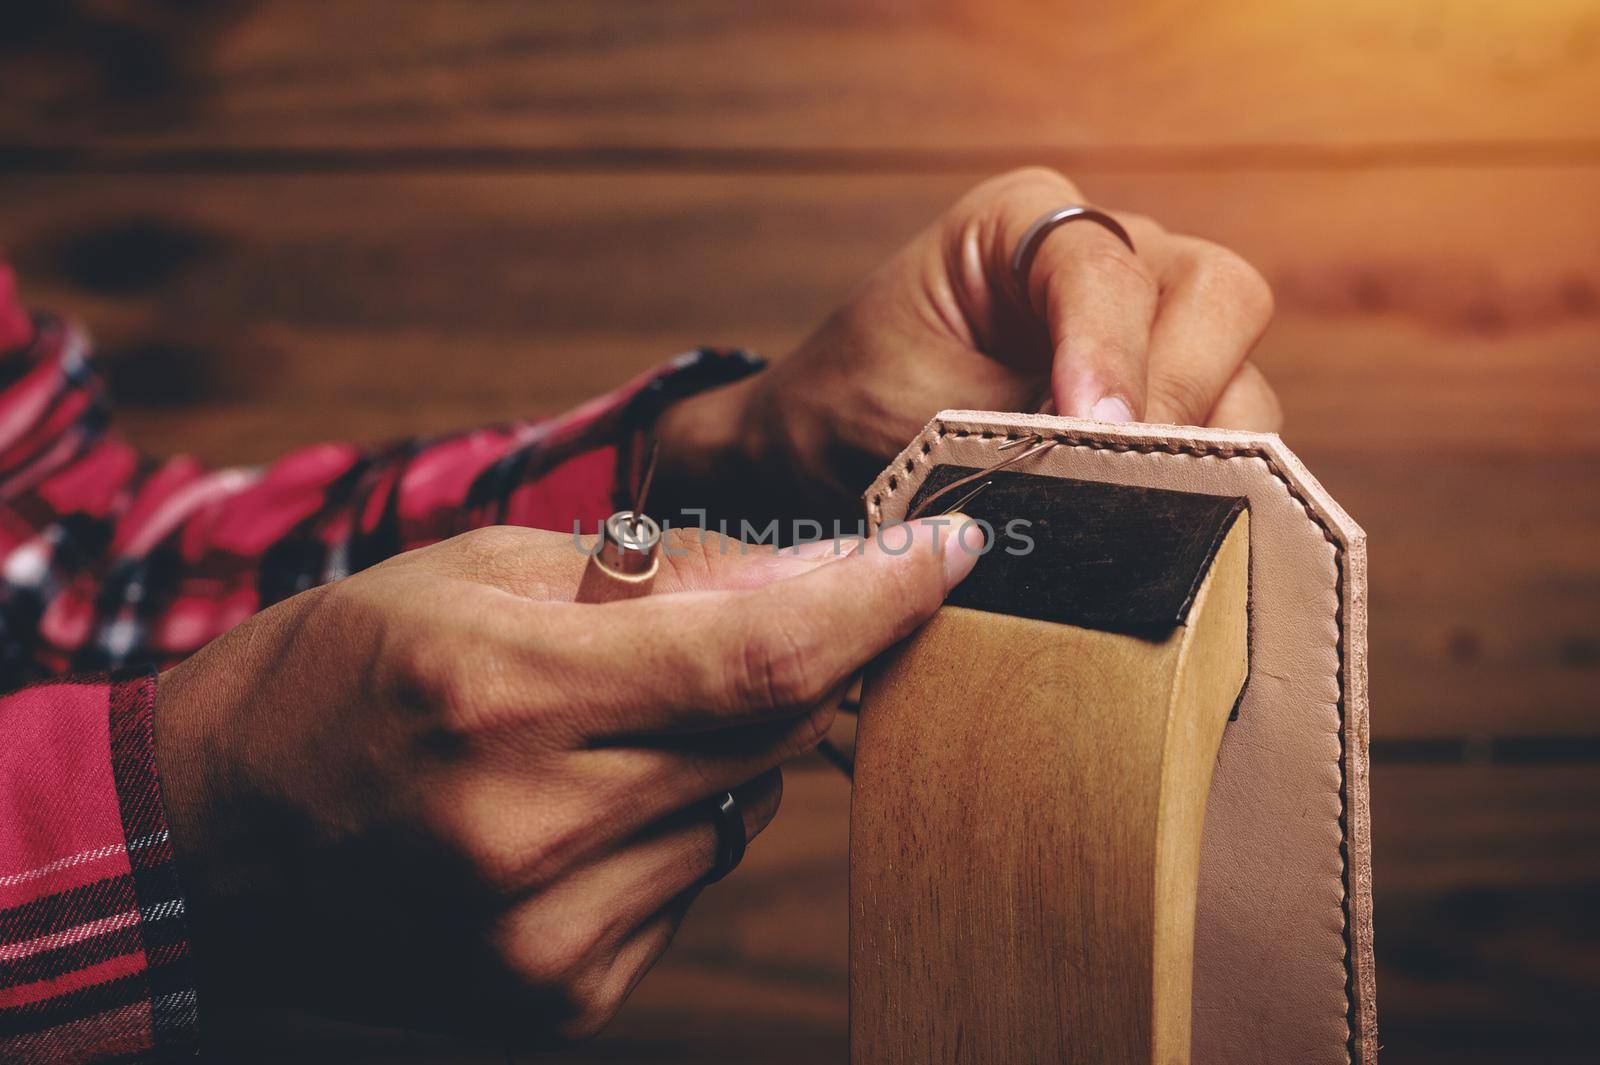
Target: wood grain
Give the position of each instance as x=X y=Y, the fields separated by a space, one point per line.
x=1163 y=80
x=1025 y=833
x=1438 y=372
x=1487 y=930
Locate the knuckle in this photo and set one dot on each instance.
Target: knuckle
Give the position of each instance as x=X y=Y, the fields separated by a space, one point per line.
x=912 y=593
x=503 y=856
x=495 y=866
x=450 y=816
x=552 y=956
x=777 y=667
x=430 y=681
x=1114 y=266
x=1229 y=277
x=464 y=688
x=539 y=859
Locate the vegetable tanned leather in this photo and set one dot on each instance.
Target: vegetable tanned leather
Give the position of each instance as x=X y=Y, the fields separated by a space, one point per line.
x=1283 y=927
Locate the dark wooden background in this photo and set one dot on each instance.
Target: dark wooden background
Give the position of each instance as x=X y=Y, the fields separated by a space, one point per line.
x=293 y=219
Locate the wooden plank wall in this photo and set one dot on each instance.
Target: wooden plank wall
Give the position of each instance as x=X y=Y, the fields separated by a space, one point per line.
x=289 y=219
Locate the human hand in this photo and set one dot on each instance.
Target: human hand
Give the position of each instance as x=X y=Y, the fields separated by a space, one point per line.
x=440 y=793
x=1161 y=336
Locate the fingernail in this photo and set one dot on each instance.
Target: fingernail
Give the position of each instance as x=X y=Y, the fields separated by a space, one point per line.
x=963 y=543
x=1111 y=409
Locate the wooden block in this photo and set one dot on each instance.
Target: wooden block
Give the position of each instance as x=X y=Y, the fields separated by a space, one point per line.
x=1025 y=832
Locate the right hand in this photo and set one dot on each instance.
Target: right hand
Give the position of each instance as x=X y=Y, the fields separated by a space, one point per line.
x=442 y=794
x=1163 y=334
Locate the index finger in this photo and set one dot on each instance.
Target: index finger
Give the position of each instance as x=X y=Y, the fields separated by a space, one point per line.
x=1096 y=297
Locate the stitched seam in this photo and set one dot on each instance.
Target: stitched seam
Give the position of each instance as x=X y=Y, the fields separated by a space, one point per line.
x=1151 y=447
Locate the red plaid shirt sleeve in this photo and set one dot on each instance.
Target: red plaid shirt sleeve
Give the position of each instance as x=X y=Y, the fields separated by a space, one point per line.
x=113 y=565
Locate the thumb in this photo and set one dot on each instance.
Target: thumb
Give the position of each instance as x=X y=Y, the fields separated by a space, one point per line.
x=697 y=560
x=721 y=658
x=847 y=612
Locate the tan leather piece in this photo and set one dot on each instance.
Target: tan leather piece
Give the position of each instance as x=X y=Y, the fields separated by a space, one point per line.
x=1283 y=927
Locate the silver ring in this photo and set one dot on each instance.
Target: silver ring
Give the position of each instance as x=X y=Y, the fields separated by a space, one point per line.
x=1028 y=250
x=731 y=839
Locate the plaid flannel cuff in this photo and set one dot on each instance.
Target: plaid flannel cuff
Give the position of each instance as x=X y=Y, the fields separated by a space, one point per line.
x=94 y=954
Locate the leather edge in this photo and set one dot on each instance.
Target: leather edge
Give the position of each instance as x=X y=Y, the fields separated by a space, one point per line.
x=912 y=464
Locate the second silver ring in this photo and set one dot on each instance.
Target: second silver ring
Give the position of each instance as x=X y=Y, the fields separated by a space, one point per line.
x=731 y=840
x=1028 y=249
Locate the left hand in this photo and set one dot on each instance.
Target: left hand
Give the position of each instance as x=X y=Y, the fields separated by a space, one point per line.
x=1163 y=335
x=441 y=793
